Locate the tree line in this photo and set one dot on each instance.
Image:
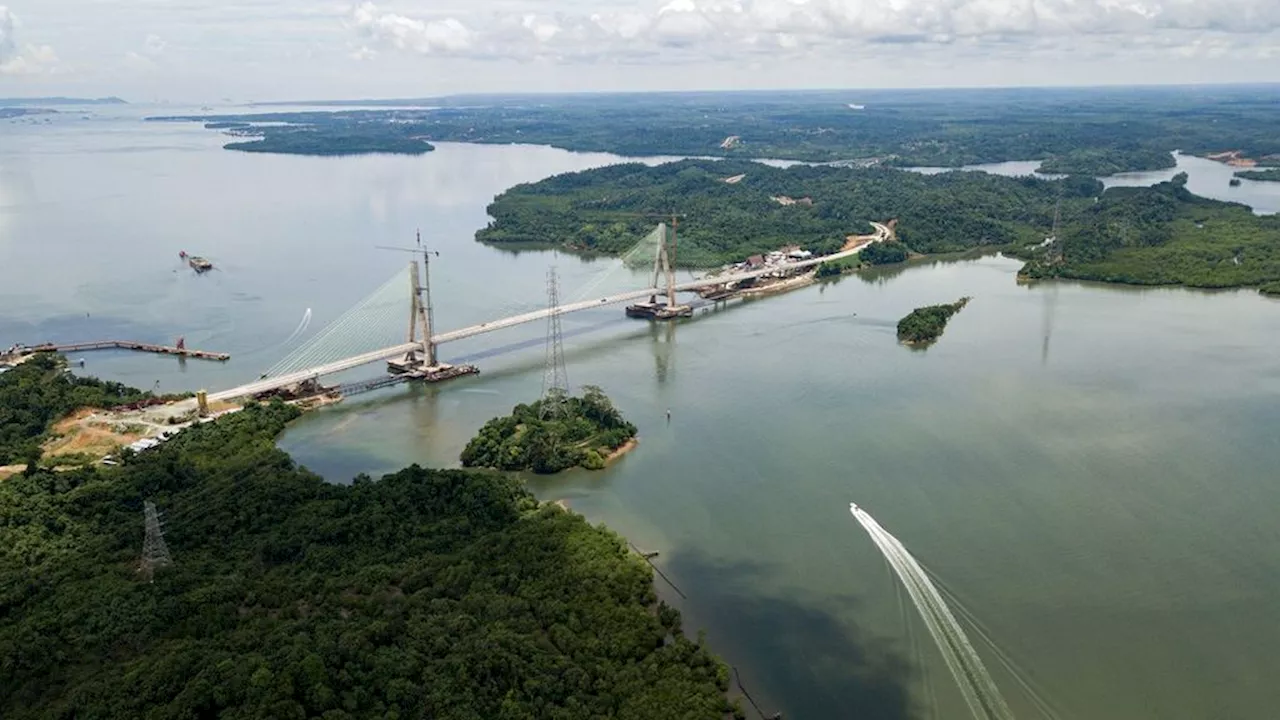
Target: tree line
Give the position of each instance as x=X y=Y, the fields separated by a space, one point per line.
x=449 y=594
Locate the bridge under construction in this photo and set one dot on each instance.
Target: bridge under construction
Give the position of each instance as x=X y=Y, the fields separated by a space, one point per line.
x=416 y=357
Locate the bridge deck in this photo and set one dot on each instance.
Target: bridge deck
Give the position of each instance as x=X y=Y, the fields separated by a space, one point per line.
x=882 y=233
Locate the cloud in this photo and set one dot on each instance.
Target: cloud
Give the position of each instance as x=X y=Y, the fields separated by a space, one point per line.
x=427 y=37
x=154 y=45
x=726 y=28
x=25 y=59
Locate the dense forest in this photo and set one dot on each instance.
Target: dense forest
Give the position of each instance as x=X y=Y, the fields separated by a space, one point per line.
x=1164 y=235
x=329 y=139
x=1109 y=161
x=41 y=390
x=1268 y=175
x=428 y=593
x=924 y=325
x=1076 y=130
x=552 y=434
x=603 y=210
x=881 y=253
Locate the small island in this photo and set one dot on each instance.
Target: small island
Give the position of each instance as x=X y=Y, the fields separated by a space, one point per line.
x=1101 y=162
x=924 y=325
x=553 y=434
x=1268 y=175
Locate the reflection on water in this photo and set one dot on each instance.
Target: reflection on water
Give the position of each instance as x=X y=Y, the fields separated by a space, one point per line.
x=1100 y=505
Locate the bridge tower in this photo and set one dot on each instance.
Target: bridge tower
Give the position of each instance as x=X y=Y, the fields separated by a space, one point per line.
x=421 y=315
x=663 y=272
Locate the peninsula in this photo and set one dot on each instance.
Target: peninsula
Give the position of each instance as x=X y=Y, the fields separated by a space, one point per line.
x=1267 y=175
x=1158 y=235
x=272 y=593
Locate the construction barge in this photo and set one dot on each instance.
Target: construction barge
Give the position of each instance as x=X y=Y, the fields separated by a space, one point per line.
x=658 y=311
x=181 y=350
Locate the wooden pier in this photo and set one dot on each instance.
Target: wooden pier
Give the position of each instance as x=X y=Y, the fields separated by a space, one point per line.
x=24 y=350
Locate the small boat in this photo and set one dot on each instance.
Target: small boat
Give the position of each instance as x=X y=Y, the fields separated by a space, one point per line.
x=196 y=262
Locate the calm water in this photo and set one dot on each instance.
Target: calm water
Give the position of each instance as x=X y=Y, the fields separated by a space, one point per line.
x=1088 y=470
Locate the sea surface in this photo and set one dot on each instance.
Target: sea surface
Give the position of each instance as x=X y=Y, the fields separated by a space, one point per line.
x=1089 y=472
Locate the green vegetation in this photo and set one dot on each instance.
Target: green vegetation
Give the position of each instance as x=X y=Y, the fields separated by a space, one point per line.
x=41 y=390
x=329 y=139
x=1108 y=161
x=1164 y=235
x=603 y=210
x=442 y=594
x=1095 y=129
x=551 y=435
x=924 y=325
x=1269 y=175
x=884 y=253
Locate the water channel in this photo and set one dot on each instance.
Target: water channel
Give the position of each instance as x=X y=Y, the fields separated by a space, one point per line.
x=1086 y=471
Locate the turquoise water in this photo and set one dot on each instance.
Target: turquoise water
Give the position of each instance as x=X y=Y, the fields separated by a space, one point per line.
x=1087 y=471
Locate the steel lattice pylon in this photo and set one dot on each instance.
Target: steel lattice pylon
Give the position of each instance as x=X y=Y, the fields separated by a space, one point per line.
x=555 y=377
x=155 y=553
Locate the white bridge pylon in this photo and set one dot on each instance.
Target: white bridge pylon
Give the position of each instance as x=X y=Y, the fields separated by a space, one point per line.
x=320 y=351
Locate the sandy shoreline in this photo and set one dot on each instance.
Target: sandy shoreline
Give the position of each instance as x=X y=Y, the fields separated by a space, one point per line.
x=622 y=449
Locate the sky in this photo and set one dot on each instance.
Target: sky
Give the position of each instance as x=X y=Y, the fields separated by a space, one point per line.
x=251 y=50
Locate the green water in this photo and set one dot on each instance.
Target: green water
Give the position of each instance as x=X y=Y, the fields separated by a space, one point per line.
x=1088 y=470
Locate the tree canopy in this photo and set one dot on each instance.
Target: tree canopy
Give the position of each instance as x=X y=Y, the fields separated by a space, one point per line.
x=551 y=434
x=604 y=210
x=41 y=390
x=925 y=324
x=430 y=593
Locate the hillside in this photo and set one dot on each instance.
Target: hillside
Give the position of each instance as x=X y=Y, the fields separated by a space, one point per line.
x=428 y=593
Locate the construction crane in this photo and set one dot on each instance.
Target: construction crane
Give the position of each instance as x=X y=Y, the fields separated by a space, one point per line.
x=422 y=310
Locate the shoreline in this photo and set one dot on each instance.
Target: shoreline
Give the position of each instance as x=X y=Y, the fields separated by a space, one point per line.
x=622 y=449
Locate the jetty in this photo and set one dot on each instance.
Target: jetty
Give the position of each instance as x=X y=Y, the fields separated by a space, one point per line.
x=181 y=350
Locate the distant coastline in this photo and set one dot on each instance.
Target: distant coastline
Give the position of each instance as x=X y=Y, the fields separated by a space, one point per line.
x=37 y=101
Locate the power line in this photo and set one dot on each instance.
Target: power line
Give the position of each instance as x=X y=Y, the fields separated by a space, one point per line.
x=555 y=376
x=155 y=554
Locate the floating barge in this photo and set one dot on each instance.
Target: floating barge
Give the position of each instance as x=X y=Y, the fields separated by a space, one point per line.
x=180 y=349
x=412 y=369
x=197 y=263
x=658 y=311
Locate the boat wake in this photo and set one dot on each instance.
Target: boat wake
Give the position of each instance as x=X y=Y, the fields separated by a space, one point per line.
x=975 y=683
x=302 y=327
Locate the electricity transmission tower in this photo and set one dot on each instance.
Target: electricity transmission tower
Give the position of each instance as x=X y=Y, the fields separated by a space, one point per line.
x=555 y=378
x=155 y=553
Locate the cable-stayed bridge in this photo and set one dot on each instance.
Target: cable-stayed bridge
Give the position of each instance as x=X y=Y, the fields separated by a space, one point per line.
x=384 y=328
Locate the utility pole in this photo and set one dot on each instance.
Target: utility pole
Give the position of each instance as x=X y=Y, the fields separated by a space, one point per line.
x=155 y=553
x=555 y=376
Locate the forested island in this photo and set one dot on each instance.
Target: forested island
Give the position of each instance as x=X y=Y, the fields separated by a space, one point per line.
x=428 y=593
x=553 y=434
x=1109 y=161
x=327 y=140
x=1094 y=131
x=924 y=325
x=1268 y=175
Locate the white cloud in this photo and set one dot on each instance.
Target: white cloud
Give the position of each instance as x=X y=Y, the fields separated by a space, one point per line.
x=720 y=28
x=25 y=59
x=427 y=37
x=154 y=45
